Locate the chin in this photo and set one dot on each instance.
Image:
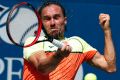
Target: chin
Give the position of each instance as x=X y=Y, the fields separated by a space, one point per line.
x=54 y=36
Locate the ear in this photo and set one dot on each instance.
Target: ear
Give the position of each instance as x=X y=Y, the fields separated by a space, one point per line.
x=65 y=20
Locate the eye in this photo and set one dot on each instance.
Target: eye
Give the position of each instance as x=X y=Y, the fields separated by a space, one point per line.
x=57 y=16
x=46 y=18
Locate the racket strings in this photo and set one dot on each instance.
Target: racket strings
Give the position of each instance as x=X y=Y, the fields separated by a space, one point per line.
x=23 y=20
x=27 y=32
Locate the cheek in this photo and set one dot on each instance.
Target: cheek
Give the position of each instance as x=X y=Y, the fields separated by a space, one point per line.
x=61 y=25
x=46 y=24
x=61 y=22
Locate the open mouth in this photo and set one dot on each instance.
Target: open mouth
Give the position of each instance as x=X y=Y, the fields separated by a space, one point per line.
x=54 y=31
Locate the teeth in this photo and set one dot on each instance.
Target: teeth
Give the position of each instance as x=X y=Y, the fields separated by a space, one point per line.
x=54 y=29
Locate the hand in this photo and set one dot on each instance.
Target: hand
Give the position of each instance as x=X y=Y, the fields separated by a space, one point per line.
x=64 y=51
x=104 y=20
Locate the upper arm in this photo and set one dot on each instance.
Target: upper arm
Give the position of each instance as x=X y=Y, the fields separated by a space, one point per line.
x=99 y=61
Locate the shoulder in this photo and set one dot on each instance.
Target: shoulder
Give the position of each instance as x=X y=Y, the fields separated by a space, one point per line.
x=79 y=43
x=76 y=43
x=76 y=39
x=28 y=51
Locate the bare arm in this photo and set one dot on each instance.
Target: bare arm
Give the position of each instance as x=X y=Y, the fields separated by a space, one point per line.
x=46 y=64
x=107 y=61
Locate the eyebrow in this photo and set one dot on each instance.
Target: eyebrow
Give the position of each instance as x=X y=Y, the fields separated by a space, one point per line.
x=55 y=15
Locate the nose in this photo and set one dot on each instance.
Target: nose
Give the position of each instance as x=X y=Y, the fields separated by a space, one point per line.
x=52 y=22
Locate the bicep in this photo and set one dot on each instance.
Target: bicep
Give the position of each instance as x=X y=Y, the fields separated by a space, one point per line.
x=99 y=61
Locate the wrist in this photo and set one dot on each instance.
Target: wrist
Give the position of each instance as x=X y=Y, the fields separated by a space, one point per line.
x=58 y=56
x=107 y=32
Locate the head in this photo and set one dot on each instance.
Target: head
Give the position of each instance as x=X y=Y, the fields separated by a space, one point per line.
x=53 y=18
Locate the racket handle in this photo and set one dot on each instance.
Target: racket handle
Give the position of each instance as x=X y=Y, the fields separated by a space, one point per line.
x=57 y=43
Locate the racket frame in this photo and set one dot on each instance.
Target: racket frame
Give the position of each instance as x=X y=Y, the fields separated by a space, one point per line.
x=39 y=24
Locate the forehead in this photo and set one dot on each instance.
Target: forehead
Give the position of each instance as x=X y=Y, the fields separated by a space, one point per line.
x=52 y=9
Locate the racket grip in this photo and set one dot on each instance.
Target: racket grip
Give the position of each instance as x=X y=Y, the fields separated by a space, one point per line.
x=57 y=43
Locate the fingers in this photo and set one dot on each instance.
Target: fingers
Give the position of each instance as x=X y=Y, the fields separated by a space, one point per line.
x=65 y=50
x=103 y=18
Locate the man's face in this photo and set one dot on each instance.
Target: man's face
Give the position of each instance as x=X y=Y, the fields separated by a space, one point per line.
x=53 y=20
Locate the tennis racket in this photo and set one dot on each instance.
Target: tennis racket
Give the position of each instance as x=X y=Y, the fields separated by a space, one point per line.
x=23 y=22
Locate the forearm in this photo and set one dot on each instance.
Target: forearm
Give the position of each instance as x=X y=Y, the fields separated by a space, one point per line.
x=109 y=51
x=107 y=61
x=49 y=63
x=46 y=63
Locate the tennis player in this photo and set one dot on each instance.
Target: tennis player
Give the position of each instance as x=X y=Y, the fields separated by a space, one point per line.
x=44 y=61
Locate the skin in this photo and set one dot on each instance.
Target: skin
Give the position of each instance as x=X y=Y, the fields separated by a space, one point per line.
x=107 y=61
x=54 y=23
